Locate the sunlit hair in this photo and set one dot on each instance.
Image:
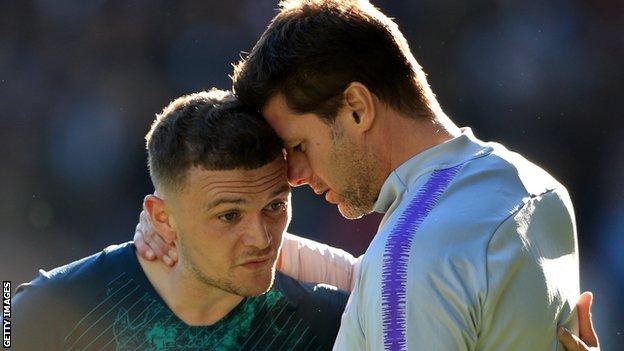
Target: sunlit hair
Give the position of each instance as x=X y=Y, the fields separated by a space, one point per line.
x=313 y=49
x=209 y=129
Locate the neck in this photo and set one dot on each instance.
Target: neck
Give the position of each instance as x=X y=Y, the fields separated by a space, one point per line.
x=192 y=301
x=406 y=137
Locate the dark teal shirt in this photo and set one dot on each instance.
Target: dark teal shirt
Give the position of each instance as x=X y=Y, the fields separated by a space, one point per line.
x=105 y=302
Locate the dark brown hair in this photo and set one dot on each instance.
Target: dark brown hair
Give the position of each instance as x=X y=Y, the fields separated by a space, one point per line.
x=211 y=129
x=313 y=49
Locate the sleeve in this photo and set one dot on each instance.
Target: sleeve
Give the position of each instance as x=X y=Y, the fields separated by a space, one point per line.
x=310 y=261
x=533 y=277
x=35 y=322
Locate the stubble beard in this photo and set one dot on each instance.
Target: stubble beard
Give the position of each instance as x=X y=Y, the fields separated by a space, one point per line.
x=227 y=284
x=357 y=172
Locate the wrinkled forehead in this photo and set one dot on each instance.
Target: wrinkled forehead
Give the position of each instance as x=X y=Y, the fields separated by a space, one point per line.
x=260 y=182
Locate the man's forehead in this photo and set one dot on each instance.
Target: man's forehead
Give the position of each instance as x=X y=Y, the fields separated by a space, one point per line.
x=276 y=106
x=243 y=181
x=282 y=119
x=277 y=112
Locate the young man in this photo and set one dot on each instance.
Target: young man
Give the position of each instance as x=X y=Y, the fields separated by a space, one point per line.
x=223 y=203
x=477 y=249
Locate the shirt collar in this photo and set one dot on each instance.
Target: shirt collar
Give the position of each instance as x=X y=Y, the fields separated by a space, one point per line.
x=448 y=154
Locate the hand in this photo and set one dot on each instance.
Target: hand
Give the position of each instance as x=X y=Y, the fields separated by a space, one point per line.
x=588 y=339
x=150 y=245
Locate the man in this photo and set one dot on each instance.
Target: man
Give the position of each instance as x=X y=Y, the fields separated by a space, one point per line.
x=477 y=248
x=223 y=203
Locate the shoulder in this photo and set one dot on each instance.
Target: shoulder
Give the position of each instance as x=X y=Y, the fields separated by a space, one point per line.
x=541 y=231
x=538 y=210
x=532 y=274
x=320 y=306
x=503 y=168
x=74 y=278
x=484 y=194
x=455 y=233
x=44 y=307
x=321 y=298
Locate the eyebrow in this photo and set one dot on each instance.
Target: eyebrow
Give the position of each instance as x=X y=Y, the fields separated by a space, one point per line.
x=237 y=200
x=226 y=200
x=283 y=189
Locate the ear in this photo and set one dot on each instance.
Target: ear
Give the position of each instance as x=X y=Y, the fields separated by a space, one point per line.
x=161 y=219
x=359 y=102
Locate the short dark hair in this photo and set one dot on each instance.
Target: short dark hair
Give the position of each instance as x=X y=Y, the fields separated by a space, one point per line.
x=211 y=129
x=313 y=49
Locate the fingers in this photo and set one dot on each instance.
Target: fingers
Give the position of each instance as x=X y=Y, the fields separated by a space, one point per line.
x=139 y=238
x=150 y=244
x=586 y=326
x=142 y=248
x=570 y=341
x=160 y=248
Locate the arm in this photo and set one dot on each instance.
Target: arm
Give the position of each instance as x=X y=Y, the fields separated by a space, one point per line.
x=532 y=265
x=310 y=261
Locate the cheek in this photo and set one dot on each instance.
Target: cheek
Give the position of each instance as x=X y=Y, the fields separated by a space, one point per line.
x=320 y=160
x=277 y=225
x=340 y=155
x=212 y=247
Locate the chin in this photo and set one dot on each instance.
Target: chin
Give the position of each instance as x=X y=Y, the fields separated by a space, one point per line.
x=349 y=212
x=258 y=284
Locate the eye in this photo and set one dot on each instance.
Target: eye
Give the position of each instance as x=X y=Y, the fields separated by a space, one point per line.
x=229 y=217
x=298 y=148
x=277 y=206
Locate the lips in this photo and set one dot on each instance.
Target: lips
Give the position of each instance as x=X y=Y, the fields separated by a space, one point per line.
x=318 y=186
x=320 y=189
x=258 y=260
x=257 y=263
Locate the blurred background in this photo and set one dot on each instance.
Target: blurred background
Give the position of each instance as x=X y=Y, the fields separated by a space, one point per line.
x=80 y=82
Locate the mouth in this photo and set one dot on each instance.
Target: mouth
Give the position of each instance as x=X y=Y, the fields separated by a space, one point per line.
x=318 y=186
x=258 y=263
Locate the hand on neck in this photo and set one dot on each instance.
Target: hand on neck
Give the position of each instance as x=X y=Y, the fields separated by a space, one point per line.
x=192 y=301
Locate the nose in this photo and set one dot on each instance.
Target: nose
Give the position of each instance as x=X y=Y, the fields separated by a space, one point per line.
x=257 y=233
x=299 y=170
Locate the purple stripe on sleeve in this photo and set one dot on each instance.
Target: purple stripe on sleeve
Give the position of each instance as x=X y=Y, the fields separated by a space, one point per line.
x=396 y=256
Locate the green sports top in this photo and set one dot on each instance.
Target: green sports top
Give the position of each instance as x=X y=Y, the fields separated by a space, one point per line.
x=105 y=302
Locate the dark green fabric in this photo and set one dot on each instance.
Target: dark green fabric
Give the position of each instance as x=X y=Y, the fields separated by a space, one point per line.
x=105 y=302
